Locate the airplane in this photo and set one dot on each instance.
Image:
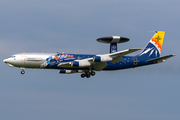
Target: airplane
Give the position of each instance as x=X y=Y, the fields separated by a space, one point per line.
x=87 y=64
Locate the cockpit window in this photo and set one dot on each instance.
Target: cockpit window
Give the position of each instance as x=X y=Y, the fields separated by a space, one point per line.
x=12 y=56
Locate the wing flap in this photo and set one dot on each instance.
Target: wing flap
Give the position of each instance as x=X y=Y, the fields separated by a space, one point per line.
x=99 y=66
x=117 y=59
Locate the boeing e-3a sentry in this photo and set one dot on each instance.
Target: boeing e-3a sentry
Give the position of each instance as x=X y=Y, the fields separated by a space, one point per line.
x=88 y=64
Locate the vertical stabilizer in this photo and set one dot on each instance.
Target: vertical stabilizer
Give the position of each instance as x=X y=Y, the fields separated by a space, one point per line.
x=154 y=47
x=113 y=47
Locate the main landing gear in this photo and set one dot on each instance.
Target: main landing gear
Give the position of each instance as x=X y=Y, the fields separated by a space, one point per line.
x=88 y=74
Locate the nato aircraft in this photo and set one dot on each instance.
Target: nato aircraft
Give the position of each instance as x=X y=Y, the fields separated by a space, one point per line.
x=87 y=64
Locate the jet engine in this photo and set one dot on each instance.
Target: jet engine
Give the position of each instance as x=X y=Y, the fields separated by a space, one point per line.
x=102 y=58
x=70 y=71
x=80 y=63
x=67 y=71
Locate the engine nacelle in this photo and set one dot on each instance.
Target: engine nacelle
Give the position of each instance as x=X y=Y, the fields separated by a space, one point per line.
x=67 y=71
x=81 y=71
x=75 y=64
x=102 y=58
x=70 y=71
x=81 y=63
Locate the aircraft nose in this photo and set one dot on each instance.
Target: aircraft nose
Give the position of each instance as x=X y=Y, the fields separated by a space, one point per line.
x=5 y=60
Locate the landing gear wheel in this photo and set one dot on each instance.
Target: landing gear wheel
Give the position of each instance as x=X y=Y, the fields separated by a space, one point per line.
x=83 y=75
x=22 y=72
x=93 y=73
x=88 y=75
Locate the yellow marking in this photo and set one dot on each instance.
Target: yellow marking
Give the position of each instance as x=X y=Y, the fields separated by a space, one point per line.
x=135 y=61
x=158 y=38
x=23 y=57
x=78 y=58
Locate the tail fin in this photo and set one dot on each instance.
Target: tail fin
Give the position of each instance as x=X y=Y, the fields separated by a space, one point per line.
x=153 y=48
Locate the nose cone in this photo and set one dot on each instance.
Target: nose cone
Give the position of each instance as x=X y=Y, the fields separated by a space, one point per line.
x=8 y=62
x=5 y=60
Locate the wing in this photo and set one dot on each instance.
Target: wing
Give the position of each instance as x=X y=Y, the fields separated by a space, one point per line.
x=117 y=55
x=64 y=64
x=98 y=62
x=125 y=52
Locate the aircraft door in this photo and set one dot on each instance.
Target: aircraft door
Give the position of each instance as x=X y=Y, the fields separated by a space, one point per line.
x=23 y=58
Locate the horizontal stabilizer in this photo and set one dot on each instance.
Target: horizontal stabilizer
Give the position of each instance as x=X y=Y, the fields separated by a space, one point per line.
x=160 y=59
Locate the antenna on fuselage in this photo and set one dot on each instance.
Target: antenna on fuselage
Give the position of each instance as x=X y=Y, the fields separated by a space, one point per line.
x=113 y=40
x=153 y=31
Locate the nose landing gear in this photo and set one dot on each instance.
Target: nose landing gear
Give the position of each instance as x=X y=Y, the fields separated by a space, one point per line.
x=22 y=70
x=88 y=74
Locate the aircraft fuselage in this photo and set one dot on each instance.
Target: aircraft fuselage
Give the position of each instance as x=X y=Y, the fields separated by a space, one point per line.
x=40 y=60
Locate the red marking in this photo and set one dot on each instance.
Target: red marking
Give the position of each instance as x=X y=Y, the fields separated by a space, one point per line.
x=157 y=43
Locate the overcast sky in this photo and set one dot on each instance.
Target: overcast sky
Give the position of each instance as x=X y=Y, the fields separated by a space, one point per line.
x=145 y=93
